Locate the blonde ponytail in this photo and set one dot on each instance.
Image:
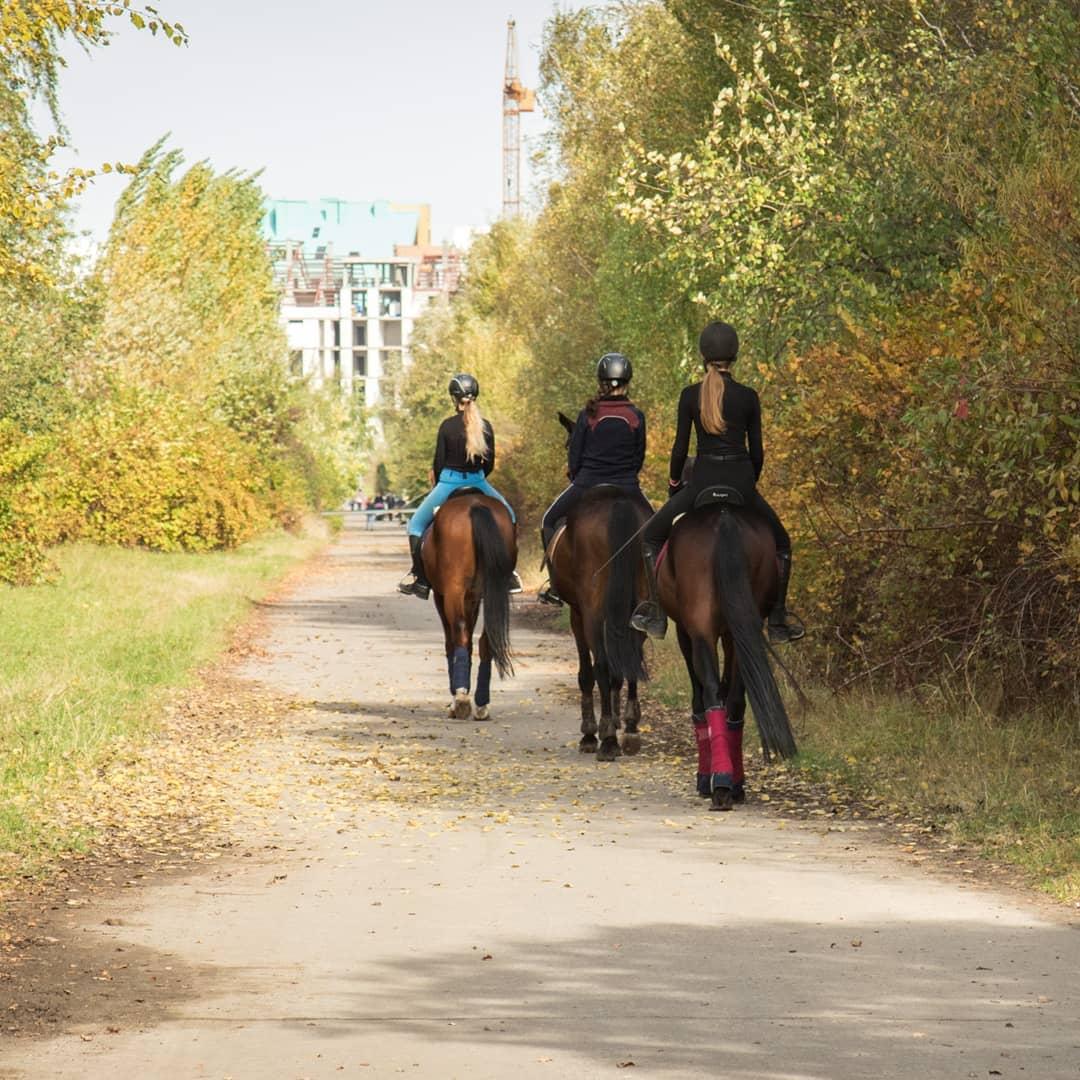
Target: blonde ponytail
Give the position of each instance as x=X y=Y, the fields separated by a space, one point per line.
x=476 y=446
x=712 y=400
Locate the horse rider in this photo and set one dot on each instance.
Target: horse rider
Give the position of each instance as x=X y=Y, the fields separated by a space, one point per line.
x=464 y=455
x=607 y=446
x=726 y=416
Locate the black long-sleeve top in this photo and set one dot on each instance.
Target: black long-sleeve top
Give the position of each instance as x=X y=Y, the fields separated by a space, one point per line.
x=742 y=415
x=450 y=448
x=607 y=446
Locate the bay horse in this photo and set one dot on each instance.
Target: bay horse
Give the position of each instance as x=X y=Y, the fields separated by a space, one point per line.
x=601 y=599
x=716 y=582
x=469 y=554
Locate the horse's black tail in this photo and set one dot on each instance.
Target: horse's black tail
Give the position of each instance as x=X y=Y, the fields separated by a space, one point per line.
x=494 y=567
x=622 y=645
x=744 y=622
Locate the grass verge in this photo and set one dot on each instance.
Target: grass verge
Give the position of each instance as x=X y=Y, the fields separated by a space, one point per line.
x=86 y=662
x=1010 y=788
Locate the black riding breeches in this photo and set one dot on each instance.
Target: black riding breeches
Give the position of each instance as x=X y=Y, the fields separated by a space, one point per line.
x=562 y=506
x=708 y=473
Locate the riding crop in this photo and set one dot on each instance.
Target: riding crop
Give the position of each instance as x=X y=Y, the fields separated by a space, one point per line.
x=604 y=566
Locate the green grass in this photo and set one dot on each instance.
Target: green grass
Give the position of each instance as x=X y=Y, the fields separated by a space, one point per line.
x=1009 y=787
x=85 y=661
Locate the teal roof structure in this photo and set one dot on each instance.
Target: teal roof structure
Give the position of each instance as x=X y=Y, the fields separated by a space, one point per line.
x=361 y=228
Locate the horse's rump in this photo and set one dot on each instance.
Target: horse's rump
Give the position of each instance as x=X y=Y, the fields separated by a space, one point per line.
x=601 y=523
x=469 y=558
x=733 y=551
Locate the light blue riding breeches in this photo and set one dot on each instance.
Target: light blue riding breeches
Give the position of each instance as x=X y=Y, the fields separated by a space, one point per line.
x=449 y=481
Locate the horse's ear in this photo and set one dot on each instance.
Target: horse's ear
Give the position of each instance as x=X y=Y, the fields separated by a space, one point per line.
x=566 y=421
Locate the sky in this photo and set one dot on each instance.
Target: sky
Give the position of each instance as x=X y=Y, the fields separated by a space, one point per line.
x=358 y=100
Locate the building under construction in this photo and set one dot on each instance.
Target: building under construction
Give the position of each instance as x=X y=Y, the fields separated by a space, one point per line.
x=353 y=277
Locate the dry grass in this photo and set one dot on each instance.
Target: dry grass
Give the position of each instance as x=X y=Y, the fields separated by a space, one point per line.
x=1010 y=787
x=86 y=663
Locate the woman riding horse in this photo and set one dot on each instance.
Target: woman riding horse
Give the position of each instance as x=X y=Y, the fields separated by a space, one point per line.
x=464 y=455
x=607 y=446
x=726 y=416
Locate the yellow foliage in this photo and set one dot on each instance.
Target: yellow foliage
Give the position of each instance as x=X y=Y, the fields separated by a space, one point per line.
x=148 y=470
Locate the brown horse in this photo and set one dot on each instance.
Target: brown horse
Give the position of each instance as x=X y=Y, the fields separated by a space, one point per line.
x=469 y=555
x=601 y=599
x=716 y=582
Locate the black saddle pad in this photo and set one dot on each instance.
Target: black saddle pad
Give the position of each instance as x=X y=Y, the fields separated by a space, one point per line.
x=718 y=495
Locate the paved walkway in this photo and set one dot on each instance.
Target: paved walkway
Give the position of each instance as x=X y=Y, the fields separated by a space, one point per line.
x=450 y=899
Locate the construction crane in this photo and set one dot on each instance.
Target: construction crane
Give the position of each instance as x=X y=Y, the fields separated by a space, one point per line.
x=516 y=100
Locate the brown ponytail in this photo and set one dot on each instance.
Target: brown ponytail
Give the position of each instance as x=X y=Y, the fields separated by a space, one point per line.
x=476 y=446
x=712 y=400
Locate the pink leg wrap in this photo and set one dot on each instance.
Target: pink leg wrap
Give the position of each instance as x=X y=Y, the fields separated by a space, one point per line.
x=718 y=743
x=704 y=751
x=734 y=741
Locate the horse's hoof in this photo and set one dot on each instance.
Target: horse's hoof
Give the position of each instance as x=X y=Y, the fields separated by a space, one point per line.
x=461 y=709
x=722 y=799
x=587 y=744
x=631 y=742
x=738 y=792
x=609 y=749
x=482 y=713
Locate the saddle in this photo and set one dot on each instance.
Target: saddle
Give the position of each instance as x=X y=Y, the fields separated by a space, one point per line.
x=549 y=554
x=719 y=495
x=468 y=489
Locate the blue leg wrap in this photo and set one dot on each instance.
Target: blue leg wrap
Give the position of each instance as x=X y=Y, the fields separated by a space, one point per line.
x=460 y=669
x=483 y=684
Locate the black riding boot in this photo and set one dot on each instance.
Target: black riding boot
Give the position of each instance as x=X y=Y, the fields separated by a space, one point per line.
x=781 y=626
x=547 y=594
x=649 y=616
x=417 y=585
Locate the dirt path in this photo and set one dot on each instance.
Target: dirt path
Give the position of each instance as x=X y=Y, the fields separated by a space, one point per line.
x=451 y=899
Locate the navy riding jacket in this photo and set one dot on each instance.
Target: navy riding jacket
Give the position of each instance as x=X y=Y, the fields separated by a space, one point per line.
x=607 y=445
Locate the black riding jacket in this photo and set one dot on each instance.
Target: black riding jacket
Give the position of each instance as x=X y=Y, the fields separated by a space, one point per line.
x=742 y=414
x=608 y=445
x=450 y=448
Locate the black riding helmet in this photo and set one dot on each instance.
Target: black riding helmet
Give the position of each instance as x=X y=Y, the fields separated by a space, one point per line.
x=464 y=388
x=718 y=343
x=613 y=369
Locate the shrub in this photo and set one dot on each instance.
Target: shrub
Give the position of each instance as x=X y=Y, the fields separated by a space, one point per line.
x=145 y=469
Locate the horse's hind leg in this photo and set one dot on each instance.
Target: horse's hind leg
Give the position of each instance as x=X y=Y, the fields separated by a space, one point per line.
x=482 y=697
x=631 y=742
x=701 y=727
x=440 y=607
x=733 y=690
x=609 y=748
x=459 y=630
x=586 y=682
x=708 y=672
